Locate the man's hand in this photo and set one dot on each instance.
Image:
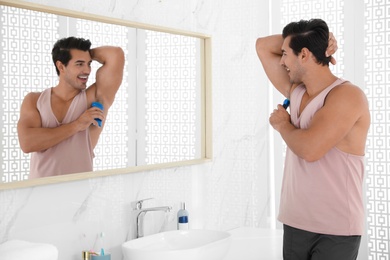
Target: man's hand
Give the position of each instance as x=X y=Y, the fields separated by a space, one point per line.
x=279 y=118
x=332 y=48
x=88 y=118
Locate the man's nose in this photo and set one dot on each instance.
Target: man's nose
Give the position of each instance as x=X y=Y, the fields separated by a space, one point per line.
x=281 y=62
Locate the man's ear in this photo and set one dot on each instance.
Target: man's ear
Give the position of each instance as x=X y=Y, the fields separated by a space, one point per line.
x=60 y=66
x=305 y=53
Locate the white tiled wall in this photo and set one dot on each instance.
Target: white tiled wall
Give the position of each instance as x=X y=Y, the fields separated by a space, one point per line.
x=229 y=192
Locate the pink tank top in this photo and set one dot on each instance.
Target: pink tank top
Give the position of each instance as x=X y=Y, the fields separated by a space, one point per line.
x=74 y=154
x=324 y=196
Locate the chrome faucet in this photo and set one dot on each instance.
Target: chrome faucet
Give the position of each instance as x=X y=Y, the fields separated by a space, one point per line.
x=140 y=212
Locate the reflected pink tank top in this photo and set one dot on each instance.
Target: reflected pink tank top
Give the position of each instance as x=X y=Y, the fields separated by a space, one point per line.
x=74 y=154
x=324 y=196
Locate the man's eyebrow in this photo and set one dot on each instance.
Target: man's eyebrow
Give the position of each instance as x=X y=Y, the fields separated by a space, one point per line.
x=83 y=61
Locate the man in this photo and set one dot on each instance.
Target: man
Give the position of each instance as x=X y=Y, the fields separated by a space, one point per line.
x=321 y=203
x=59 y=126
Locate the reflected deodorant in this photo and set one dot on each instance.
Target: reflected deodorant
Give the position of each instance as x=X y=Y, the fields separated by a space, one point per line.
x=182 y=217
x=98 y=105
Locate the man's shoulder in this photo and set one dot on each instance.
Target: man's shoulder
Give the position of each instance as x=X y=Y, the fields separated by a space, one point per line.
x=33 y=96
x=348 y=94
x=348 y=87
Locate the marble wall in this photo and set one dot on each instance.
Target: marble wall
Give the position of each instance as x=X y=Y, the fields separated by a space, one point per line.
x=229 y=192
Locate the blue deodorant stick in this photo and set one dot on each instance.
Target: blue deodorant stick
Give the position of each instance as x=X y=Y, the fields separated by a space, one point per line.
x=286 y=103
x=98 y=105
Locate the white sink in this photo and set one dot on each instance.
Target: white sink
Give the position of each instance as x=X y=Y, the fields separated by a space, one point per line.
x=192 y=244
x=23 y=250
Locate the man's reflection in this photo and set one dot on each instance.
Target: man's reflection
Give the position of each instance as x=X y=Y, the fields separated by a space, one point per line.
x=58 y=125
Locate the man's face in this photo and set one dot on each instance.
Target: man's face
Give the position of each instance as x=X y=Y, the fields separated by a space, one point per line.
x=78 y=69
x=290 y=62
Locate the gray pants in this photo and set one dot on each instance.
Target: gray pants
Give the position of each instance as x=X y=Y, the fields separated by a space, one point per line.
x=303 y=245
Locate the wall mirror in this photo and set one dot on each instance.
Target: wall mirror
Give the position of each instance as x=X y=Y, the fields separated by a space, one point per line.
x=161 y=116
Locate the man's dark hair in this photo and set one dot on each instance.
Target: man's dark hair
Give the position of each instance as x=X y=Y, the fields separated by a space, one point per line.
x=61 y=49
x=311 y=34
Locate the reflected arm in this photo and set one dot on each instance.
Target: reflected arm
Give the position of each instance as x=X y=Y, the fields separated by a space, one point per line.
x=109 y=76
x=34 y=138
x=108 y=80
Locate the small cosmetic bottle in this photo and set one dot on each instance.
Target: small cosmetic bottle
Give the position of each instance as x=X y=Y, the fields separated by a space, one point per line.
x=182 y=217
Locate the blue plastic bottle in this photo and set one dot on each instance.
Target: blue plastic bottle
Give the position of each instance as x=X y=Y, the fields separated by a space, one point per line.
x=98 y=105
x=182 y=217
x=286 y=103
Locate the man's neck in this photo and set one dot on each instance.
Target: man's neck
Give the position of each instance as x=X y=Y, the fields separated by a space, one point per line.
x=318 y=81
x=65 y=93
